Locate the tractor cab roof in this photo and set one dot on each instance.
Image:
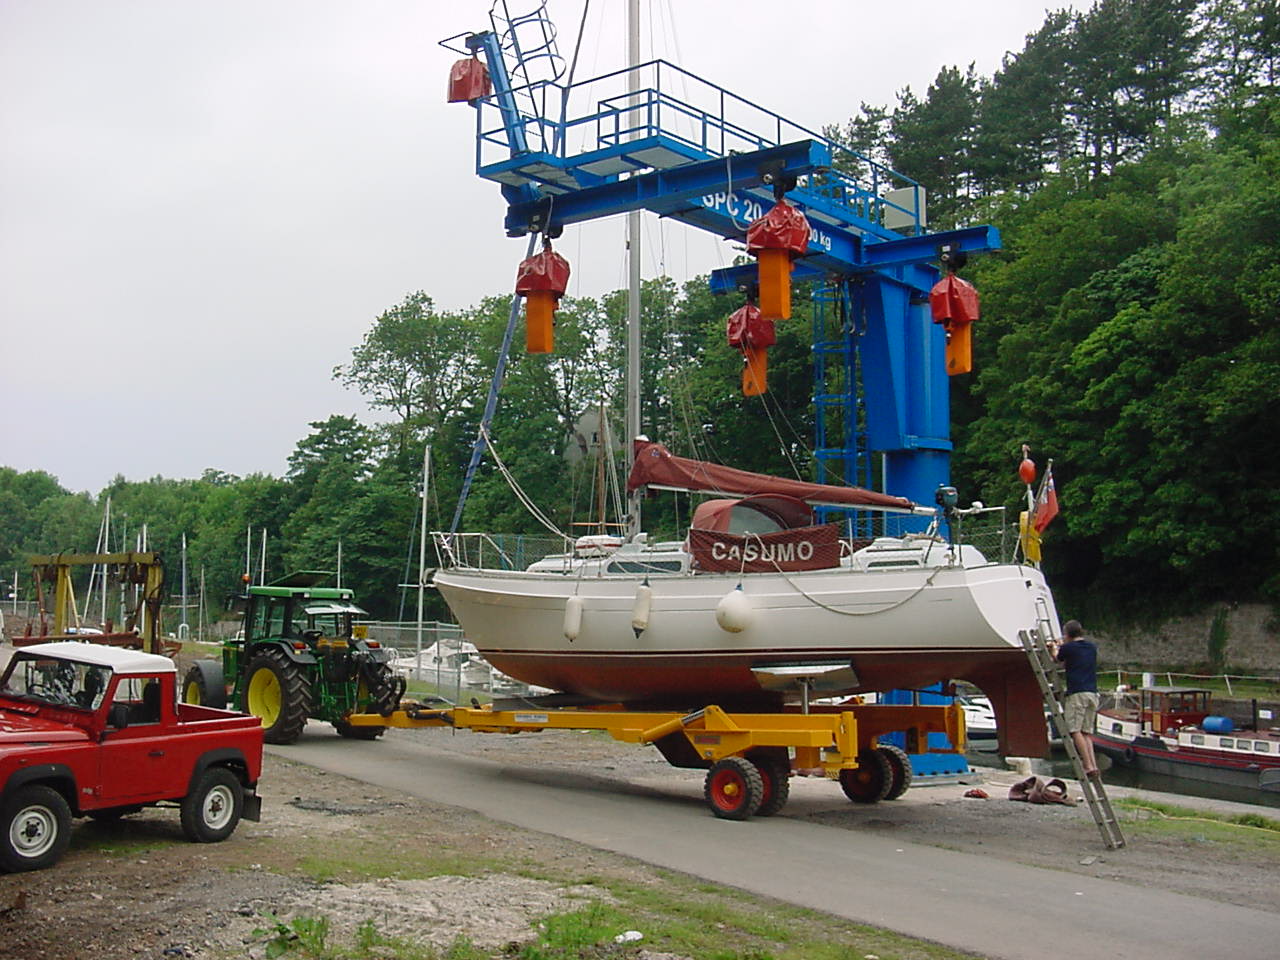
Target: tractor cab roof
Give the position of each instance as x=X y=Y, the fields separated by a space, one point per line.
x=303 y=585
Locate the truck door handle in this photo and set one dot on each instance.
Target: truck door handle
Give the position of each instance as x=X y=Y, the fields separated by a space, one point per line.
x=156 y=753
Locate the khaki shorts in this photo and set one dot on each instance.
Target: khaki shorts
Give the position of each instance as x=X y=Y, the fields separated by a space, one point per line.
x=1081 y=710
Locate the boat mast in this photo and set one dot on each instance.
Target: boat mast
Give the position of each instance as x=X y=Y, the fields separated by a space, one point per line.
x=422 y=555
x=633 y=285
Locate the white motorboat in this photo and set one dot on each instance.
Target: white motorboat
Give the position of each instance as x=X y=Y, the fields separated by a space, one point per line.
x=758 y=605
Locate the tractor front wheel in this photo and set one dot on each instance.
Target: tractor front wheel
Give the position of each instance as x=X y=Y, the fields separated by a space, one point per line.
x=277 y=692
x=204 y=684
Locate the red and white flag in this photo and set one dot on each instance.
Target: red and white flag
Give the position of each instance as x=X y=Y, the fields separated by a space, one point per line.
x=1046 y=503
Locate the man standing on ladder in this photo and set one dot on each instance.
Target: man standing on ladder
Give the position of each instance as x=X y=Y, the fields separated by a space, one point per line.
x=1079 y=656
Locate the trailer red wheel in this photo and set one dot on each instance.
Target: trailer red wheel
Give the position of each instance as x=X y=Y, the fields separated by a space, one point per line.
x=900 y=771
x=733 y=788
x=871 y=781
x=775 y=776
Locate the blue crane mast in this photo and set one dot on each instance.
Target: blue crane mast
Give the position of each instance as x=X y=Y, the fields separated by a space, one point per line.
x=692 y=151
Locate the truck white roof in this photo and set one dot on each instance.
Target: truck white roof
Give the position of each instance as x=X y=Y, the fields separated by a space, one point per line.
x=118 y=659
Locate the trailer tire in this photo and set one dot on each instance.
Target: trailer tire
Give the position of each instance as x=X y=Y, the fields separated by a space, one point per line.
x=36 y=821
x=277 y=693
x=352 y=732
x=775 y=778
x=204 y=685
x=900 y=770
x=211 y=811
x=733 y=788
x=870 y=782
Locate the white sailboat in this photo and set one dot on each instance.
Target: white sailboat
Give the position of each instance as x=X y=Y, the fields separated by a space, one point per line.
x=757 y=606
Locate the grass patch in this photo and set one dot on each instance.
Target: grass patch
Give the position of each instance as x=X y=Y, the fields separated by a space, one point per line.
x=1249 y=833
x=1174 y=812
x=346 y=867
x=308 y=936
x=687 y=916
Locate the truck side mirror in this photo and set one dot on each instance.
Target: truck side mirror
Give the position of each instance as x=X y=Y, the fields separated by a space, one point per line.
x=118 y=716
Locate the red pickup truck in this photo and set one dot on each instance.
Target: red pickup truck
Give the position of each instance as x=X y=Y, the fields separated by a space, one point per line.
x=97 y=731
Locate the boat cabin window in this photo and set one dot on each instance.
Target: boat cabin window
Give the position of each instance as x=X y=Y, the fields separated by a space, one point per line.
x=1197 y=739
x=1116 y=728
x=1261 y=746
x=1226 y=742
x=644 y=566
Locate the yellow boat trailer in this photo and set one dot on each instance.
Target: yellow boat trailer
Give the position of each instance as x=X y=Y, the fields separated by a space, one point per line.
x=749 y=757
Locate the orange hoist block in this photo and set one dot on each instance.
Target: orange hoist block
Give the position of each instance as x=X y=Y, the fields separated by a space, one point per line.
x=752 y=333
x=468 y=80
x=542 y=280
x=954 y=304
x=775 y=240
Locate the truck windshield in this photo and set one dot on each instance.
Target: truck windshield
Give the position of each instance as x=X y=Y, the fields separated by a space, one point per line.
x=62 y=683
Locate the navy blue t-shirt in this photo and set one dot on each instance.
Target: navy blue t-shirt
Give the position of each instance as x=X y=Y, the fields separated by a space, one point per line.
x=1080 y=657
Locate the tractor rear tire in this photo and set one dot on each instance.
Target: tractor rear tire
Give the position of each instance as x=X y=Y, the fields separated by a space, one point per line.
x=205 y=685
x=352 y=732
x=278 y=693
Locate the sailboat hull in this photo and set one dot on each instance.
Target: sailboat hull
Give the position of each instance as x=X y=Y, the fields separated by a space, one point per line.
x=892 y=628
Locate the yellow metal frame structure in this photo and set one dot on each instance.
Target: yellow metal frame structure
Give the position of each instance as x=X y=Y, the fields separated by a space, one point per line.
x=829 y=738
x=143 y=568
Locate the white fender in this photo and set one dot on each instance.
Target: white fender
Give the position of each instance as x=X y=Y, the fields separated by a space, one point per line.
x=572 y=618
x=640 y=608
x=734 y=612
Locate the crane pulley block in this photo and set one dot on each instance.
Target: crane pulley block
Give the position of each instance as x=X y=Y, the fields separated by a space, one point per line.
x=776 y=239
x=954 y=304
x=542 y=280
x=752 y=333
x=468 y=80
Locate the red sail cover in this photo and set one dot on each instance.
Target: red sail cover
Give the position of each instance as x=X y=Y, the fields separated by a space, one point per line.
x=656 y=465
x=747 y=327
x=782 y=228
x=543 y=271
x=801 y=548
x=953 y=301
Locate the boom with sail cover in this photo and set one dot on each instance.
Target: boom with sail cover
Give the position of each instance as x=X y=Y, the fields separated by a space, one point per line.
x=658 y=468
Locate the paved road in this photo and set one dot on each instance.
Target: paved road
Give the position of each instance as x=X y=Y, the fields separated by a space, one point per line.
x=989 y=907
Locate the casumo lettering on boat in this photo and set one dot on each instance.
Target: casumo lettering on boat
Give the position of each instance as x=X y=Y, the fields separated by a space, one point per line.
x=801 y=551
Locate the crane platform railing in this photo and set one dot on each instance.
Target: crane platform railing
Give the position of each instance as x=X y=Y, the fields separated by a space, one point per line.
x=565 y=138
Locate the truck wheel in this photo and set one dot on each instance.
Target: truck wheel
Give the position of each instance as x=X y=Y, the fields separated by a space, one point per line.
x=211 y=811
x=277 y=693
x=352 y=732
x=37 y=829
x=204 y=685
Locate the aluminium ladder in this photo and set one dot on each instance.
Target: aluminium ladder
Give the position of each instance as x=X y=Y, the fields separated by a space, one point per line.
x=1050 y=676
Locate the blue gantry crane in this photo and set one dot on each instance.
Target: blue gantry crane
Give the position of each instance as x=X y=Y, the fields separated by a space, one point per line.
x=656 y=137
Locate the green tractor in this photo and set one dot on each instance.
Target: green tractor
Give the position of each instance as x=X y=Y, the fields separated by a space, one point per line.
x=299 y=657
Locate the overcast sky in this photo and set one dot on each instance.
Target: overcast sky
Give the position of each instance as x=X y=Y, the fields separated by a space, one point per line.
x=205 y=205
